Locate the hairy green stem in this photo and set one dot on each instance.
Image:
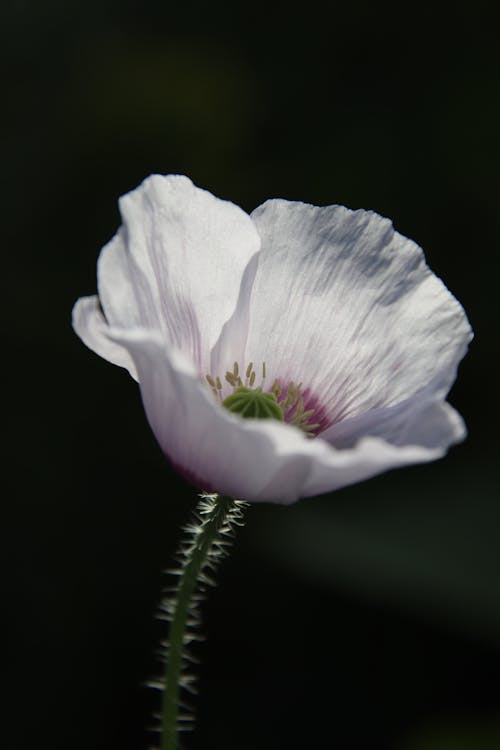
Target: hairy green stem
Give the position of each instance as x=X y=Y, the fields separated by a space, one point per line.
x=207 y=542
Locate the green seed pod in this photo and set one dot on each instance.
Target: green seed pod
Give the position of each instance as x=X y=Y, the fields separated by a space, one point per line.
x=253 y=403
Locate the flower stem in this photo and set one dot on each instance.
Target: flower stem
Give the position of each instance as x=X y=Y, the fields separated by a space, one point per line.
x=207 y=542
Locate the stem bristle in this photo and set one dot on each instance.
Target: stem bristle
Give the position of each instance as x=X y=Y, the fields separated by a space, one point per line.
x=209 y=536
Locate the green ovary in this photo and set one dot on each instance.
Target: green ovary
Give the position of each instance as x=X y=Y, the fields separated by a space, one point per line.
x=253 y=403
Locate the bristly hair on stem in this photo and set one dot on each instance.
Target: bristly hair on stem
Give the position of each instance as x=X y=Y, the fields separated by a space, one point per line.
x=208 y=536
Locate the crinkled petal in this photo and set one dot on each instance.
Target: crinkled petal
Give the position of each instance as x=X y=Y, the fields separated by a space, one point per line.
x=177 y=264
x=256 y=460
x=90 y=324
x=348 y=306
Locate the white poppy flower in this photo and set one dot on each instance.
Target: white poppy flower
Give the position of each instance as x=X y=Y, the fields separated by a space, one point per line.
x=353 y=339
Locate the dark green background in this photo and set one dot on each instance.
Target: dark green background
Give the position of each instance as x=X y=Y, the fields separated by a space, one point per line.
x=365 y=619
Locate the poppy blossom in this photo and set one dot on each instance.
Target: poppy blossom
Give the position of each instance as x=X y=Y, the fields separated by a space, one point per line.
x=281 y=354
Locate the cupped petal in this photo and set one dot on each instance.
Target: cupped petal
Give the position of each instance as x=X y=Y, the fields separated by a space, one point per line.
x=254 y=460
x=349 y=307
x=177 y=264
x=373 y=455
x=403 y=422
x=91 y=326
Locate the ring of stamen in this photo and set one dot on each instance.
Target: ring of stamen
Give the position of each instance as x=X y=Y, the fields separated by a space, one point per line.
x=285 y=403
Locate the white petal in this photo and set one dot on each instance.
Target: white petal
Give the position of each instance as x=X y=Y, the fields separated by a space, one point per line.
x=403 y=422
x=124 y=292
x=256 y=460
x=89 y=323
x=348 y=306
x=177 y=265
x=231 y=344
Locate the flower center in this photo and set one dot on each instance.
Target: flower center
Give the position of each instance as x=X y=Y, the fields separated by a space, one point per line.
x=282 y=402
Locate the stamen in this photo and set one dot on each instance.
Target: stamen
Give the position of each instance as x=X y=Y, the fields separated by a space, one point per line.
x=276 y=388
x=233 y=380
x=215 y=386
x=310 y=428
x=299 y=411
x=308 y=413
x=291 y=397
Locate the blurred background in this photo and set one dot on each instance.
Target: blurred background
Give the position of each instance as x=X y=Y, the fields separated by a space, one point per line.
x=365 y=619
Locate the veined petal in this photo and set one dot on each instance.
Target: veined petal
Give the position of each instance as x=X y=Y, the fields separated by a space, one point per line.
x=411 y=420
x=255 y=460
x=348 y=306
x=177 y=264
